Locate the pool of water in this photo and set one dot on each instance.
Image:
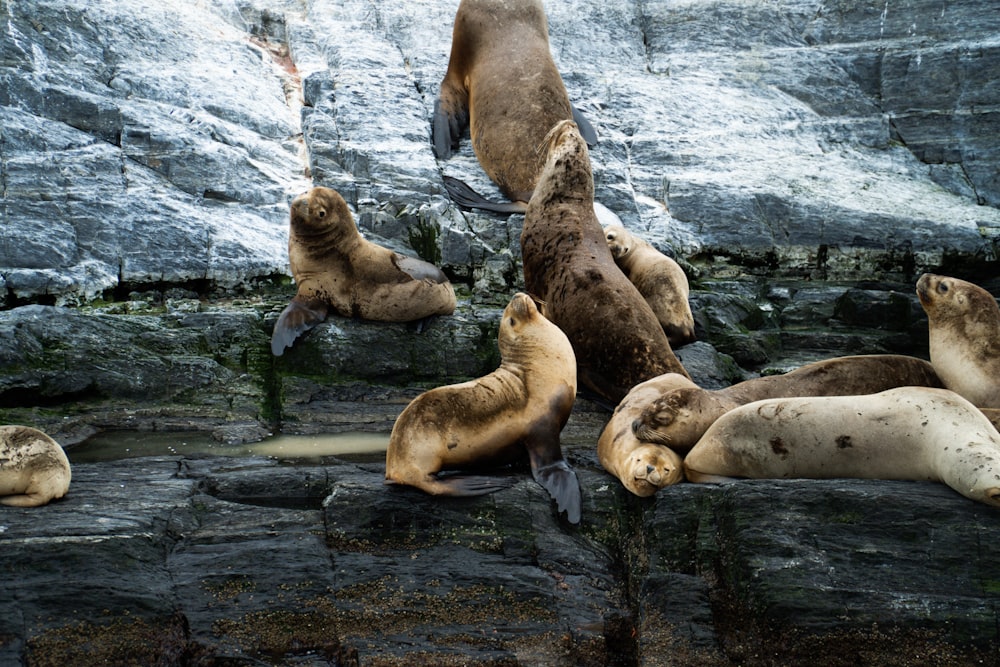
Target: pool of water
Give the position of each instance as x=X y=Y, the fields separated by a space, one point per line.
x=116 y=445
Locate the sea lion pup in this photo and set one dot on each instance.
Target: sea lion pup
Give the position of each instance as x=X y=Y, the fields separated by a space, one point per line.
x=659 y=279
x=502 y=83
x=491 y=421
x=642 y=467
x=964 y=327
x=34 y=469
x=682 y=413
x=567 y=265
x=336 y=268
x=916 y=433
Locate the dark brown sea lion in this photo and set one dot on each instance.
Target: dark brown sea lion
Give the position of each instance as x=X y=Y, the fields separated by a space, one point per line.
x=503 y=84
x=964 y=329
x=335 y=268
x=492 y=421
x=684 y=411
x=34 y=469
x=567 y=265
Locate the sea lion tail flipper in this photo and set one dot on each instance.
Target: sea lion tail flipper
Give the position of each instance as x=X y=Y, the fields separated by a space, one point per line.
x=560 y=481
x=466 y=197
x=587 y=130
x=418 y=269
x=297 y=318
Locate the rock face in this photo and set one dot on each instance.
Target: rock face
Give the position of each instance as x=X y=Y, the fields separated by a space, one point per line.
x=804 y=162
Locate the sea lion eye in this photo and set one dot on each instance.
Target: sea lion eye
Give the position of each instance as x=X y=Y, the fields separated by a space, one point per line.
x=513 y=322
x=943 y=287
x=321 y=213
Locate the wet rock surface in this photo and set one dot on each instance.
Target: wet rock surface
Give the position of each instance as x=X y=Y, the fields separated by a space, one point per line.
x=803 y=162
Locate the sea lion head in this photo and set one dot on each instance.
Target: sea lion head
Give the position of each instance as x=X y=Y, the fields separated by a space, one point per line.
x=321 y=213
x=619 y=240
x=567 y=174
x=961 y=307
x=519 y=326
x=650 y=468
x=676 y=419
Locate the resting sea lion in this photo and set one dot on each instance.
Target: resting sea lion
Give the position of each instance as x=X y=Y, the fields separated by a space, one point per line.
x=502 y=83
x=34 y=469
x=491 y=421
x=916 y=433
x=679 y=416
x=643 y=467
x=659 y=279
x=336 y=268
x=964 y=327
x=568 y=266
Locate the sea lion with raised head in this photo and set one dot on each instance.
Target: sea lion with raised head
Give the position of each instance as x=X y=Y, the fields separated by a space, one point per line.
x=964 y=330
x=914 y=433
x=34 y=469
x=659 y=279
x=335 y=268
x=642 y=467
x=684 y=411
x=567 y=265
x=519 y=408
x=502 y=83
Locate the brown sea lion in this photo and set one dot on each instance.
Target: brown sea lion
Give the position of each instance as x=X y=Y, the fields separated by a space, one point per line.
x=964 y=327
x=335 y=268
x=492 y=421
x=680 y=416
x=659 y=279
x=916 y=433
x=502 y=83
x=34 y=469
x=643 y=467
x=567 y=265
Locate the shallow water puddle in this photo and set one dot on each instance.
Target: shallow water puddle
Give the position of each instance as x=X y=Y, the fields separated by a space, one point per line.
x=115 y=445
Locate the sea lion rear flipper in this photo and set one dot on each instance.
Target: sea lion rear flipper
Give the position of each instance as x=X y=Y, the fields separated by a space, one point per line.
x=587 y=130
x=466 y=197
x=418 y=269
x=560 y=481
x=297 y=318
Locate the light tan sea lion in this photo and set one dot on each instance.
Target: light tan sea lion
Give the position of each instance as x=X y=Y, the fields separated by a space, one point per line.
x=964 y=328
x=915 y=433
x=336 y=268
x=493 y=420
x=659 y=279
x=34 y=469
x=567 y=265
x=680 y=416
x=503 y=84
x=643 y=467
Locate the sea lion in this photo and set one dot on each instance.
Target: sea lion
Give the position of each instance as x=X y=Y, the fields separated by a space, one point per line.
x=659 y=279
x=964 y=327
x=336 y=268
x=34 y=469
x=682 y=413
x=567 y=265
x=502 y=83
x=643 y=467
x=916 y=433
x=491 y=421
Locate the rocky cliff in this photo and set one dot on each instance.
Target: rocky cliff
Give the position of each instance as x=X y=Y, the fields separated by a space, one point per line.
x=805 y=162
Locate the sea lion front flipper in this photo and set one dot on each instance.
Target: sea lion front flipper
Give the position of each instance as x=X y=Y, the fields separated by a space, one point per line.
x=587 y=130
x=298 y=317
x=447 y=129
x=560 y=481
x=466 y=197
x=461 y=485
x=418 y=269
